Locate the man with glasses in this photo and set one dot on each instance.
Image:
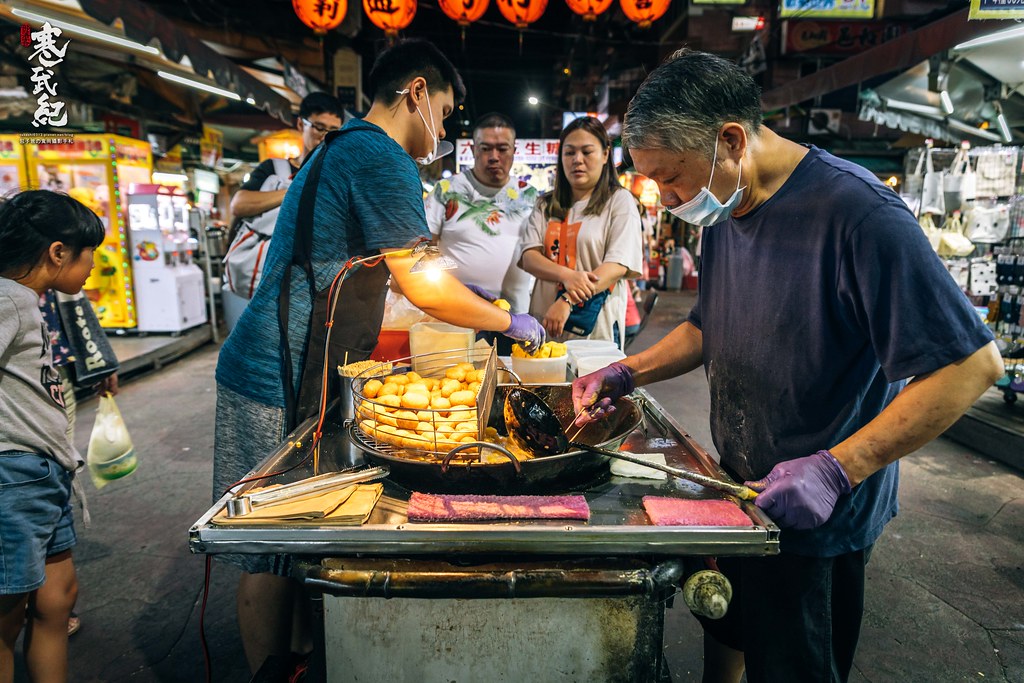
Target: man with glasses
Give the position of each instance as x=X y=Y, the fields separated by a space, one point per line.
x=319 y=114
x=256 y=204
x=476 y=215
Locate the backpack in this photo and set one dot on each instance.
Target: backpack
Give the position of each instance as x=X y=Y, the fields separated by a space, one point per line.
x=243 y=261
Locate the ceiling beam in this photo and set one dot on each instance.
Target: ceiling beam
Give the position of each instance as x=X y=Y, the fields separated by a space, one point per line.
x=307 y=56
x=897 y=54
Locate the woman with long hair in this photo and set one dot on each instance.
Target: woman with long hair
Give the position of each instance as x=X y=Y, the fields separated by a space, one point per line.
x=582 y=239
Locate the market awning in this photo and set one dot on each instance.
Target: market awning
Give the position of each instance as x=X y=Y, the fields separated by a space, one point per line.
x=898 y=54
x=143 y=24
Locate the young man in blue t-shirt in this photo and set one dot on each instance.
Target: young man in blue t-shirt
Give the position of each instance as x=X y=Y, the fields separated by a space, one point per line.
x=368 y=201
x=825 y=325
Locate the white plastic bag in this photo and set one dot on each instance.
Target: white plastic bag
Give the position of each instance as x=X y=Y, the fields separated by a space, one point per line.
x=932 y=198
x=111 y=454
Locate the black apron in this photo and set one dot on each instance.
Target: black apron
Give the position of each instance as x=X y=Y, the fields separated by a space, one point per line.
x=358 y=314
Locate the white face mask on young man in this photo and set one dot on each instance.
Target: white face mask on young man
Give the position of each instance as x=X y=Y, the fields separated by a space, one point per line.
x=440 y=148
x=705 y=209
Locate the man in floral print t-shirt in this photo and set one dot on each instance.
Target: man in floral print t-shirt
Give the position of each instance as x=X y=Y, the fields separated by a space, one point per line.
x=476 y=216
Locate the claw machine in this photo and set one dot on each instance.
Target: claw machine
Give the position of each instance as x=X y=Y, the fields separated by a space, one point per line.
x=98 y=171
x=169 y=287
x=13 y=172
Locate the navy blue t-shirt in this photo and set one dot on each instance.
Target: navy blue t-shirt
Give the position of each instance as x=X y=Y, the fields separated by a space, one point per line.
x=369 y=198
x=815 y=309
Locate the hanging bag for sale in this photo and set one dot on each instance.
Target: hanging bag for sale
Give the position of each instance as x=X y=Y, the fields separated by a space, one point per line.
x=930 y=231
x=959 y=184
x=952 y=241
x=996 y=172
x=94 y=359
x=912 y=186
x=988 y=224
x=111 y=454
x=932 y=198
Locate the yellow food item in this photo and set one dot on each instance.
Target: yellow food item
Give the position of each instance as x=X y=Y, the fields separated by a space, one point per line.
x=502 y=304
x=548 y=350
x=415 y=400
x=371 y=388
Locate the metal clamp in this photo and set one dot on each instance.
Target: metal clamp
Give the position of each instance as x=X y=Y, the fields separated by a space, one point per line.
x=243 y=504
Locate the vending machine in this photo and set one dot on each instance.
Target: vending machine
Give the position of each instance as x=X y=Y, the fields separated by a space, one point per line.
x=97 y=170
x=169 y=287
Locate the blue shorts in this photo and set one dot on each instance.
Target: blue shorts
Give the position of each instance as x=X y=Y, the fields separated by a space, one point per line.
x=36 y=521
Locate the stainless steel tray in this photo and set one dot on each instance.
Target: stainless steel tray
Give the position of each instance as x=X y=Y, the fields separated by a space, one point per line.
x=618 y=524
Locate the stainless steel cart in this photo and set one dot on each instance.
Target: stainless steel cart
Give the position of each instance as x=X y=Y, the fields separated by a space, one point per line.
x=497 y=601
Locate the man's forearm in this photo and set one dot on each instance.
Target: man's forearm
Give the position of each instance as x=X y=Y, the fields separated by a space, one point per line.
x=679 y=352
x=248 y=203
x=921 y=412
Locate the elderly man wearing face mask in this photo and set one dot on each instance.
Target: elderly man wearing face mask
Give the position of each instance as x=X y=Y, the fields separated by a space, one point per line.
x=475 y=217
x=834 y=343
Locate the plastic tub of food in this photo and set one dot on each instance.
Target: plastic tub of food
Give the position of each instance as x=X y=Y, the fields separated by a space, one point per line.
x=427 y=338
x=540 y=370
x=588 y=364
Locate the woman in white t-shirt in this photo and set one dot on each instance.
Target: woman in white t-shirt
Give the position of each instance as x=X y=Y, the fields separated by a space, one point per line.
x=583 y=237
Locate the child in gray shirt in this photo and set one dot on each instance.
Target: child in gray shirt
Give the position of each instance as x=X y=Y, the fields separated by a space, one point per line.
x=48 y=243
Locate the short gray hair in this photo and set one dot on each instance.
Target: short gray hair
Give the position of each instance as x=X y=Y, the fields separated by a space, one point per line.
x=684 y=102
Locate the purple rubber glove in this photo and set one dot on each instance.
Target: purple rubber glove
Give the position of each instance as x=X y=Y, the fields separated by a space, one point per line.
x=599 y=390
x=527 y=331
x=482 y=293
x=801 y=493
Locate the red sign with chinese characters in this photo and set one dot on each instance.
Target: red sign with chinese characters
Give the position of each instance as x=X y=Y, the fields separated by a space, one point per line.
x=836 y=37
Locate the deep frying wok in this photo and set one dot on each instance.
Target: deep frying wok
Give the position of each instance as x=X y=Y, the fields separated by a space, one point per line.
x=571 y=470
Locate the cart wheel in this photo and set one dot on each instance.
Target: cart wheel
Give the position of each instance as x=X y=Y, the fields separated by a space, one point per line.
x=1010 y=396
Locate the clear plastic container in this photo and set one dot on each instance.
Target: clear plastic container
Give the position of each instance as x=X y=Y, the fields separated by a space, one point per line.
x=578 y=348
x=433 y=337
x=588 y=364
x=540 y=370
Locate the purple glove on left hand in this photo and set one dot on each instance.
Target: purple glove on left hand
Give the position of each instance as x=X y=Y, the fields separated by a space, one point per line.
x=481 y=292
x=801 y=493
x=527 y=331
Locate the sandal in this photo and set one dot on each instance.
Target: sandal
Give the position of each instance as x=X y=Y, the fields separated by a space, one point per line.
x=74 y=623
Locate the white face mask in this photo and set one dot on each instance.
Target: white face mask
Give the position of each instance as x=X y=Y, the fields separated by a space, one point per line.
x=441 y=147
x=705 y=209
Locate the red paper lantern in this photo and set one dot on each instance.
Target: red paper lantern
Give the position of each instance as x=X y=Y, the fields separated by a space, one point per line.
x=390 y=15
x=643 y=12
x=522 y=12
x=465 y=12
x=588 y=9
x=321 y=15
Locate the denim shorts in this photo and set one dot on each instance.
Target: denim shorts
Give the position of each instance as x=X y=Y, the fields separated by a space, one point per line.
x=246 y=432
x=36 y=520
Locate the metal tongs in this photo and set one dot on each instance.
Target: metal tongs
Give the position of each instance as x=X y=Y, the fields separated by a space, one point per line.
x=240 y=505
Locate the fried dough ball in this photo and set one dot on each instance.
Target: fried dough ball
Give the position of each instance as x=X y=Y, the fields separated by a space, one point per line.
x=449 y=387
x=466 y=366
x=389 y=389
x=413 y=377
x=391 y=401
x=396 y=379
x=440 y=403
x=456 y=373
x=432 y=383
x=474 y=387
x=417 y=386
x=406 y=419
x=415 y=400
x=462 y=398
x=466 y=427
x=371 y=388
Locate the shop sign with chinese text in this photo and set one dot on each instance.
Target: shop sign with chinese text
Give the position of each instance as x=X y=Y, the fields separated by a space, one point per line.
x=836 y=37
x=828 y=9
x=996 y=9
x=534 y=152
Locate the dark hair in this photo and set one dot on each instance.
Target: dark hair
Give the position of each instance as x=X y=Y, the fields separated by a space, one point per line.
x=494 y=120
x=320 y=103
x=33 y=220
x=557 y=203
x=408 y=59
x=683 y=104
